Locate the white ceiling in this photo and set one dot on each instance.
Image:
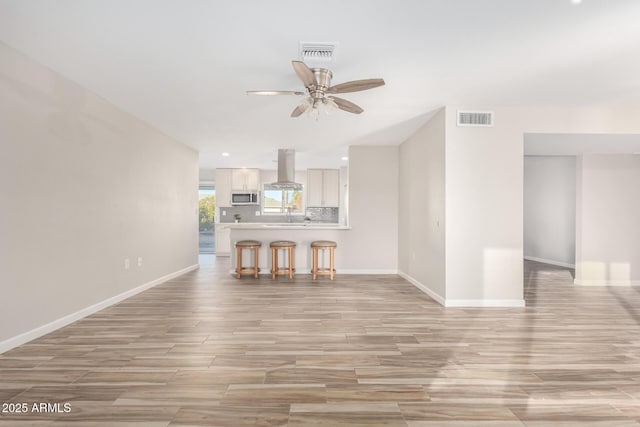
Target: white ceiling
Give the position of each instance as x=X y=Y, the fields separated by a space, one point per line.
x=184 y=65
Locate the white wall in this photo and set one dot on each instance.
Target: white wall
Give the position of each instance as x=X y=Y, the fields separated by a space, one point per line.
x=484 y=194
x=83 y=186
x=421 y=239
x=609 y=225
x=372 y=243
x=550 y=209
x=484 y=214
x=344 y=195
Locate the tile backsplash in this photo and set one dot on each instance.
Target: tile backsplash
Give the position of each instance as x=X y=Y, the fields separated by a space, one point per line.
x=248 y=214
x=323 y=214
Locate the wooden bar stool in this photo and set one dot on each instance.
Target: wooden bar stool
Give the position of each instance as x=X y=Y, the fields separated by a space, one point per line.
x=290 y=247
x=324 y=245
x=247 y=244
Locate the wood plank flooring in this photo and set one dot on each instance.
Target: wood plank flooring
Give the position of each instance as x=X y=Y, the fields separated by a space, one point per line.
x=206 y=349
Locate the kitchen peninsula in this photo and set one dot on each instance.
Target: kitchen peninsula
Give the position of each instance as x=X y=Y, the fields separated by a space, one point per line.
x=302 y=234
x=267 y=205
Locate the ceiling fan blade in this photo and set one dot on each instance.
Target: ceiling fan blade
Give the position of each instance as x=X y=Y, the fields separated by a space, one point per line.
x=345 y=105
x=300 y=109
x=356 y=86
x=274 y=92
x=305 y=73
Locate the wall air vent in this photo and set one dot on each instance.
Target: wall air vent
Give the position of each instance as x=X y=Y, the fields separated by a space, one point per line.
x=475 y=118
x=317 y=51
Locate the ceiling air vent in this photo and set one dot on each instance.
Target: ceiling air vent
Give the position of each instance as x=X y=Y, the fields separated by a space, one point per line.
x=317 y=52
x=475 y=118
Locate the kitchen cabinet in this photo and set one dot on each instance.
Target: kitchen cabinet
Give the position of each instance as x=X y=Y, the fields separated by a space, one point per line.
x=314 y=187
x=223 y=240
x=245 y=179
x=223 y=188
x=323 y=188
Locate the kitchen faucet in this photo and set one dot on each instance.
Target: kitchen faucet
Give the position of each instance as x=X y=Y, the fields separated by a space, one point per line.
x=289 y=219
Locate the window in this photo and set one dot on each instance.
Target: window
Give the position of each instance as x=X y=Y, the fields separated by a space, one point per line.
x=206 y=218
x=279 y=201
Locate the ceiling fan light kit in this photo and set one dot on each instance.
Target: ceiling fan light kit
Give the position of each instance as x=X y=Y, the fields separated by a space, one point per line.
x=317 y=83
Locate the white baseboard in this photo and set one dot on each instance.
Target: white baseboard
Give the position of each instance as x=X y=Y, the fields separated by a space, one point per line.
x=484 y=303
x=606 y=282
x=64 y=321
x=367 y=271
x=549 y=261
x=435 y=296
x=460 y=302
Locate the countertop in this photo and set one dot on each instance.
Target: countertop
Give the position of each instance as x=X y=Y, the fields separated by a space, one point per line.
x=283 y=226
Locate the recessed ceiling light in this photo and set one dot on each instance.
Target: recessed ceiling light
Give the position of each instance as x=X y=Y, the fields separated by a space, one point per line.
x=345 y=158
x=576 y=1
x=225 y=154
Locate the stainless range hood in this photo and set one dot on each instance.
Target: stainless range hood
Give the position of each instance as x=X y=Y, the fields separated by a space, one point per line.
x=286 y=171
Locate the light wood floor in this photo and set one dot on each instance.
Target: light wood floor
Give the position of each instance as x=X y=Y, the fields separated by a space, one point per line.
x=206 y=349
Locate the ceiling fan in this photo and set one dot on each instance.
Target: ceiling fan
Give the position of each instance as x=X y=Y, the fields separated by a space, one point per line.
x=317 y=82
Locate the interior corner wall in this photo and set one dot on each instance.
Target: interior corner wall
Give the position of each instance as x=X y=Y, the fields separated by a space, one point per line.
x=550 y=209
x=372 y=243
x=608 y=229
x=421 y=235
x=578 y=211
x=83 y=186
x=484 y=195
x=484 y=214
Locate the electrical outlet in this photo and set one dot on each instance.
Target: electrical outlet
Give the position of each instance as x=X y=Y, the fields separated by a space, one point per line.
x=139 y=261
x=224 y=213
x=127 y=263
x=257 y=213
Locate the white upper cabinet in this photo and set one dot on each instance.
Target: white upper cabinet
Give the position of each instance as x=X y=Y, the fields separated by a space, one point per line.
x=331 y=188
x=230 y=180
x=223 y=188
x=314 y=187
x=323 y=188
x=245 y=179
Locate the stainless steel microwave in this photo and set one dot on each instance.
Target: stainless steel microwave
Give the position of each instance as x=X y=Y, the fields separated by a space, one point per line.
x=244 y=199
